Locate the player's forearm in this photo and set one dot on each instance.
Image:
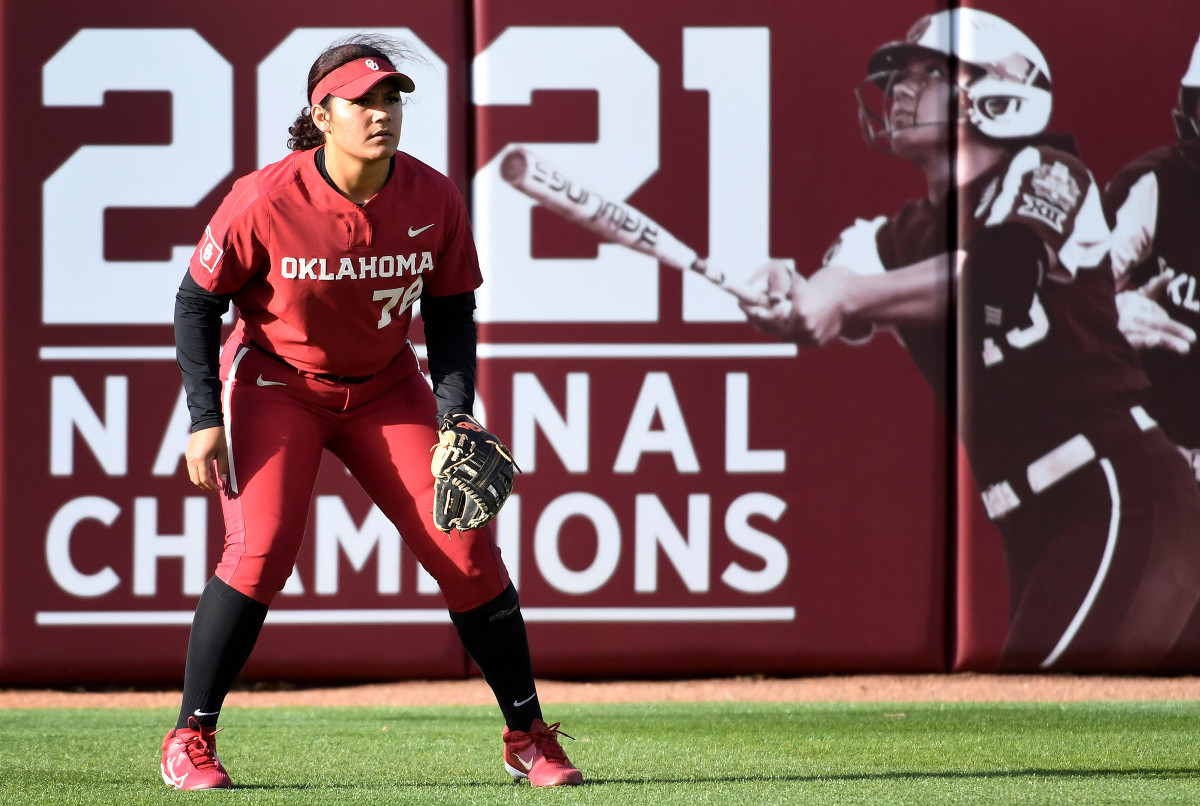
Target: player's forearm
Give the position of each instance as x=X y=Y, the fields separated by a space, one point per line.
x=197 y=326
x=916 y=295
x=450 y=341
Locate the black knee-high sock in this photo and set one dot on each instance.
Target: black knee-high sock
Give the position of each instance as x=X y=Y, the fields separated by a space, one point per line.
x=494 y=637
x=224 y=630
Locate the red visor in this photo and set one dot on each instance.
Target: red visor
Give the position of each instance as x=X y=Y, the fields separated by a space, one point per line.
x=355 y=78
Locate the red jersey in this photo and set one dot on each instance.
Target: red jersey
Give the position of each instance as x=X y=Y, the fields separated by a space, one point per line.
x=326 y=284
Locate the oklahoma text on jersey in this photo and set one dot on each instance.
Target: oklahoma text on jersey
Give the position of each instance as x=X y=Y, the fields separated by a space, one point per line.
x=317 y=268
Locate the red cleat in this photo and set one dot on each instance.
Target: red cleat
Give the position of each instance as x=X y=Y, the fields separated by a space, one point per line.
x=189 y=759
x=538 y=756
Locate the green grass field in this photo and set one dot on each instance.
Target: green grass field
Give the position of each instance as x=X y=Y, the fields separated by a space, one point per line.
x=633 y=755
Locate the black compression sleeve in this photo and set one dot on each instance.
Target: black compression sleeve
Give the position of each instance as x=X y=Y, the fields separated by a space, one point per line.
x=198 y=348
x=1005 y=266
x=450 y=340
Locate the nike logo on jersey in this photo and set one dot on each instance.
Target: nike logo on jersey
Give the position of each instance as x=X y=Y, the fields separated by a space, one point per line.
x=261 y=382
x=527 y=699
x=528 y=765
x=198 y=712
x=412 y=233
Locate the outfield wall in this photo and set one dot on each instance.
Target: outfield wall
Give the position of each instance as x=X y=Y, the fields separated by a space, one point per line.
x=696 y=498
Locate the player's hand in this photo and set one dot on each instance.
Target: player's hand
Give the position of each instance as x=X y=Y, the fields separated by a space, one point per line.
x=207 y=458
x=808 y=312
x=1146 y=325
x=771 y=311
x=819 y=306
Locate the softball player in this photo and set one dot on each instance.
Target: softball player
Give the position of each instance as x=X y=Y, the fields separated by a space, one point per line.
x=324 y=254
x=1098 y=513
x=1153 y=204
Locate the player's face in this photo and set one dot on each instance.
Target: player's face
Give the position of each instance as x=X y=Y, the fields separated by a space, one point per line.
x=368 y=127
x=920 y=108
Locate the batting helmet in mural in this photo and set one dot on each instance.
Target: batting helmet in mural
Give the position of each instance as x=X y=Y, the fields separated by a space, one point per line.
x=1004 y=86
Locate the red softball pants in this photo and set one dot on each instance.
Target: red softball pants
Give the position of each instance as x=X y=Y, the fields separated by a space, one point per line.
x=278 y=423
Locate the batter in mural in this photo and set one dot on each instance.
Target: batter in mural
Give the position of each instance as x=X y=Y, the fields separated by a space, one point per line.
x=1006 y=256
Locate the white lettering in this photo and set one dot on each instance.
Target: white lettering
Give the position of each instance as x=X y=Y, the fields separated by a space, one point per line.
x=657 y=396
x=335 y=529
x=761 y=544
x=346 y=269
x=690 y=556
x=287 y=268
x=196 y=155
x=1175 y=288
x=149 y=546
x=1039 y=326
x=739 y=458
x=411 y=295
x=396 y=301
x=407 y=263
x=1190 y=302
x=619 y=284
x=567 y=434
x=325 y=275
x=546 y=544
x=387 y=266
x=70 y=410
x=426 y=262
x=739 y=156
x=306 y=268
x=58 y=546
x=366 y=269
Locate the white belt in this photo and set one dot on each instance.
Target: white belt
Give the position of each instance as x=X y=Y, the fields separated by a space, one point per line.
x=1051 y=468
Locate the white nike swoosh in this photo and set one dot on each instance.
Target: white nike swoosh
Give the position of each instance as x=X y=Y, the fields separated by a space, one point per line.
x=528 y=765
x=179 y=779
x=527 y=699
x=198 y=712
x=261 y=382
x=412 y=233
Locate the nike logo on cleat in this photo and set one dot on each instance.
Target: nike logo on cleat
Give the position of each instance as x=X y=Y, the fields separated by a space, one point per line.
x=198 y=712
x=261 y=382
x=412 y=233
x=176 y=779
x=527 y=699
x=528 y=765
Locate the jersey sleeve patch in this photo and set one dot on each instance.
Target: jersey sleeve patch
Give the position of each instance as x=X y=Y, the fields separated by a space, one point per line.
x=209 y=253
x=1055 y=184
x=1050 y=196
